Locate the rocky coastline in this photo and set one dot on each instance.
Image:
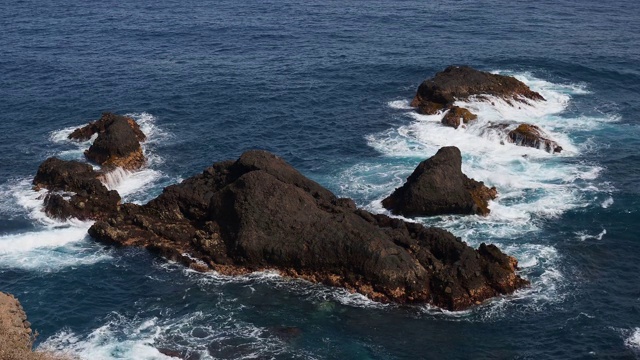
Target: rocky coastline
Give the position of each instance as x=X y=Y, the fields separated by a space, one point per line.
x=16 y=335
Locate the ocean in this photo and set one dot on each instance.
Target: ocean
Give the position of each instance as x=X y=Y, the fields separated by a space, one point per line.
x=326 y=85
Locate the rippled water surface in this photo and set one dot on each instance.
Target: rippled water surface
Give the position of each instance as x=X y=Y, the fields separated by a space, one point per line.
x=326 y=85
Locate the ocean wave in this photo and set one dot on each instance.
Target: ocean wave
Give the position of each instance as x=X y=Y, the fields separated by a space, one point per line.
x=204 y=334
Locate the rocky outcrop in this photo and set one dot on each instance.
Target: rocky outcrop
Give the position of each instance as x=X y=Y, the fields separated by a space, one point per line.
x=117 y=144
x=107 y=119
x=462 y=82
x=16 y=336
x=259 y=213
x=532 y=136
x=457 y=116
x=74 y=190
x=438 y=187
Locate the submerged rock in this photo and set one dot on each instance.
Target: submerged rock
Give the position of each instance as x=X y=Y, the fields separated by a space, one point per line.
x=117 y=144
x=438 y=187
x=532 y=136
x=463 y=82
x=259 y=213
x=457 y=116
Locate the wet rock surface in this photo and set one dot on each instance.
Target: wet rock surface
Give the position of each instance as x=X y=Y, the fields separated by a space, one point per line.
x=463 y=82
x=117 y=143
x=438 y=187
x=457 y=116
x=259 y=213
x=532 y=136
x=75 y=190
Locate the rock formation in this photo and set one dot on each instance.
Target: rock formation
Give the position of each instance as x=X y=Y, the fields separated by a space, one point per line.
x=532 y=136
x=16 y=336
x=438 y=187
x=117 y=144
x=455 y=83
x=74 y=190
x=462 y=82
x=457 y=116
x=259 y=213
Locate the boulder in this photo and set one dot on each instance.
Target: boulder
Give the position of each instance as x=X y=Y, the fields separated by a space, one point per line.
x=86 y=132
x=532 y=136
x=463 y=82
x=438 y=187
x=259 y=213
x=117 y=143
x=74 y=190
x=117 y=146
x=457 y=116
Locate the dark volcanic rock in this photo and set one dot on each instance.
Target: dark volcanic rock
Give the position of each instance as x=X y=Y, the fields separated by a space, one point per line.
x=84 y=133
x=533 y=136
x=117 y=144
x=438 y=186
x=463 y=82
x=457 y=116
x=260 y=213
x=87 y=197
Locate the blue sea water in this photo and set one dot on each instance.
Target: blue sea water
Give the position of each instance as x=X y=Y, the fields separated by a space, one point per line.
x=326 y=85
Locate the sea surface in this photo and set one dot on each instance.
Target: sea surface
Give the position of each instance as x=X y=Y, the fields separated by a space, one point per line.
x=326 y=85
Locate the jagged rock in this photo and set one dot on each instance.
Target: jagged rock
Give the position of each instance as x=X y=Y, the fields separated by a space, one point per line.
x=15 y=330
x=86 y=132
x=461 y=83
x=117 y=144
x=457 y=116
x=259 y=213
x=532 y=136
x=86 y=197
x=16 y=336
x=438 y=187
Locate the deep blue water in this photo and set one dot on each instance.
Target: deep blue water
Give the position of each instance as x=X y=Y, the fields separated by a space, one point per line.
x=325 y=85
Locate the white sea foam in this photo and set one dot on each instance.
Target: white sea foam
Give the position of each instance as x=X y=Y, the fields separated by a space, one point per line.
x=583 y=235
x=633 y=340
x=532 y=184
x=127 y=182
x=55 y=244
x=399 y=104
x=607 y=202
x=202 y=333
x=103 y=343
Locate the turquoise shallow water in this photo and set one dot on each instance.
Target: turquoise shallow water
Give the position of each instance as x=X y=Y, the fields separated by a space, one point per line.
x=326 y=85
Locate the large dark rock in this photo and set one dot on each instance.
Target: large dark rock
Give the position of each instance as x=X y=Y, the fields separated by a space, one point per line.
x=117 y=144
x=438 y=187
x=107 y=119
x=532 y=136
x=463 y=82
x=86 y=196
x=260 y=213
